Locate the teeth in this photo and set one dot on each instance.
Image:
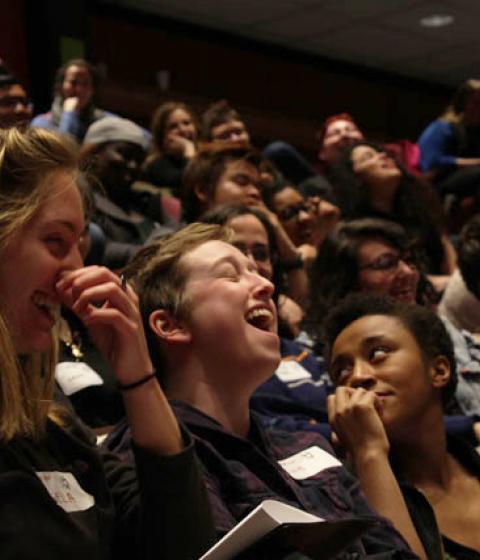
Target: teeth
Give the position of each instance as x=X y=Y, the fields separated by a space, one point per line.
x=260 y=318
x=50 y=306
x=262 y=312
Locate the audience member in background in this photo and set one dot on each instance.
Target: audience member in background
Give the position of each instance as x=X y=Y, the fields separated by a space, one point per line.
x=174 y=136
x=394 y=365
x=15 y=107
x=229 y=173
x=461 y=300
x=307 y=221
x=369 y=254
x=367 y=181
x=223 y=123
x=373 y=255
x=450 y=145
x=337 y=133
x=212 y=332
x=60 y=495
x=114 y=150
x=73 y=108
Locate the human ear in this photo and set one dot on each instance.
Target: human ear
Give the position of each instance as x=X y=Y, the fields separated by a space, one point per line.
x=200 y=194
x=440 y=372
x=168 y=328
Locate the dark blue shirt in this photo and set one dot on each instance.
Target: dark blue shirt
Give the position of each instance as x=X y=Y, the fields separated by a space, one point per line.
x=241 y=473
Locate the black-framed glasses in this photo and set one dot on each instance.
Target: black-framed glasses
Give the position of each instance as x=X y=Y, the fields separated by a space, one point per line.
x=11 y=101
x=388 y=262
x=258 y=251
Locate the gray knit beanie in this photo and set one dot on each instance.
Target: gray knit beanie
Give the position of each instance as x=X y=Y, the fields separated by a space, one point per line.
x=115 y=129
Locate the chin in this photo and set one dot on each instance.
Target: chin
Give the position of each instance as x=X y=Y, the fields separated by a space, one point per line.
x=268 y=367
x=35 y=344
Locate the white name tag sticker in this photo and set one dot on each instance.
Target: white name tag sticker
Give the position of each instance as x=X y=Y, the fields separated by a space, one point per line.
x=75 y=376
x=309 y=462
x=65 y=490
x=289 y=370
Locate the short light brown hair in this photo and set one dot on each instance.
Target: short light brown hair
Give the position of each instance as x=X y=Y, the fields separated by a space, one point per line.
x=159 y=276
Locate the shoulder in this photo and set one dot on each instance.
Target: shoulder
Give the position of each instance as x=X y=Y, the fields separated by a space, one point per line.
x=43 y=120
x=436 y=129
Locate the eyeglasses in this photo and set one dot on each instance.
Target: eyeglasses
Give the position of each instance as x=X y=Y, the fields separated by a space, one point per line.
x=258 y=252
x=11 y=101
x=388 y=262
x=293 y=211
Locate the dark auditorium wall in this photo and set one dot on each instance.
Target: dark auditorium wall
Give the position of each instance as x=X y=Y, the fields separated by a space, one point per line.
x=280 y=92
x=13 y=48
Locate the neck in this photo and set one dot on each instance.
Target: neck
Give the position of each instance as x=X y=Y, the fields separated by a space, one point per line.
x=384 y=197
x=228 y=405
x=424 y=459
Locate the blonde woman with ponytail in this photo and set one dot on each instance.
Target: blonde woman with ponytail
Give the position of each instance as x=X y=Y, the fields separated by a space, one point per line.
x=60 y=496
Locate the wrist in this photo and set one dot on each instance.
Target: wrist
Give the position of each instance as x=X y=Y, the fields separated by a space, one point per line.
x=138 y=382
x=367 y=455
x=293 y=263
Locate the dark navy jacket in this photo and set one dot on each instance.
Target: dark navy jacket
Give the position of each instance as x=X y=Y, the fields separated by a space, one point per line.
x=241 y=473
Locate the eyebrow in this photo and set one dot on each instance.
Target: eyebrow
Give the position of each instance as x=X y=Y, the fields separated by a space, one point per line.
x=366 y=343
x=69 y=226
x=238 y=262
x=227 y=259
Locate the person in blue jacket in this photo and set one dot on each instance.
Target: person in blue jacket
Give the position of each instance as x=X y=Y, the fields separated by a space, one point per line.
x=450 y=145
x=73 y=109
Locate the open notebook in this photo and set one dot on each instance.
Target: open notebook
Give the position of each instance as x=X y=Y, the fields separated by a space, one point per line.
x=274 y=529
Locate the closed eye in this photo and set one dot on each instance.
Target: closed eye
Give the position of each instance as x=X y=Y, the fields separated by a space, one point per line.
x=57 y=245
x=242 y=180
x=229 y=271
x=55 y=240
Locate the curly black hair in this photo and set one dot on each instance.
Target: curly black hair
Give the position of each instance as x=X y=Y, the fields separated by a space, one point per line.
x=414 y=205
x=423 y=324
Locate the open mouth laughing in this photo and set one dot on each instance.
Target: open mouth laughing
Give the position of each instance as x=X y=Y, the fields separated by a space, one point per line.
x=261 y=318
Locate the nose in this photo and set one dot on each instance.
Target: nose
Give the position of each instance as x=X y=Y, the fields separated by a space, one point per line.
x=253 y=190
x=362 y=376
x=262 y=287
x=20 y=106
x=328 y=210
x=73 y=259
x=405 y=268
x=304 y=216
